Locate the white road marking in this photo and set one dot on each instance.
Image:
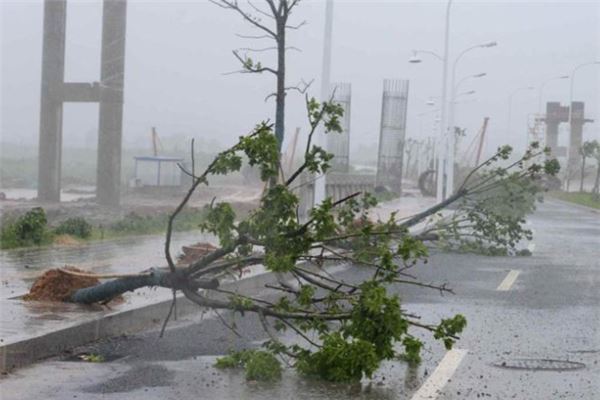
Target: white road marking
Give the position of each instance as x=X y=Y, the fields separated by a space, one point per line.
x=509 y=280
x=433 y=386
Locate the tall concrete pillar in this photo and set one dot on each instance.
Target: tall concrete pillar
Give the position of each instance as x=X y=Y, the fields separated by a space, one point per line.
x=51 y=107
x=108 y=176
x=576 y=135
x=555 y=114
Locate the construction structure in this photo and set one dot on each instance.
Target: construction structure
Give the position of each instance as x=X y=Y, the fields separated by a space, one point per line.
x=555 y=115
x=576 y=136
x=392 y=134
x=545 y=128
x=108 y=92
x=339 y=143
x=157 y=171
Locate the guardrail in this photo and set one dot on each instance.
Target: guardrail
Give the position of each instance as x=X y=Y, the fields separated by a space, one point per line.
x=338 y=185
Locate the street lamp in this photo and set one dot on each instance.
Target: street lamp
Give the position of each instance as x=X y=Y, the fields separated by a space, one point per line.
x=481 y=75
x=441 y=156
x=319 y=185
x=415 y=59
x=510 y=99
x=571 y=86
x=468 y=93
x=451 y=139
x=556 y=78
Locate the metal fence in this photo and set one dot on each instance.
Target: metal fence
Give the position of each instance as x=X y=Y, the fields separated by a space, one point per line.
x=339 y=143
x=392 y=133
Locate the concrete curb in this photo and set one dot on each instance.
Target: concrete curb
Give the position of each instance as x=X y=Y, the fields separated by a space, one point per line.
x=27 y=351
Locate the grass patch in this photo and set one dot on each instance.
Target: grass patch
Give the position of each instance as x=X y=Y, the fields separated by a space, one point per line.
x=32 y=229
x=582 y=198
x=135 y=224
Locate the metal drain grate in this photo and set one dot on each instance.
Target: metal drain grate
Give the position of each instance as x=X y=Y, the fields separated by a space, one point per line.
x=536 y=364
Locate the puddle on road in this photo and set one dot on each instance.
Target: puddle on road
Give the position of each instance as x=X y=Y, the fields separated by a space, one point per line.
x=393 y=381
x=141 y=376
x=20 y=267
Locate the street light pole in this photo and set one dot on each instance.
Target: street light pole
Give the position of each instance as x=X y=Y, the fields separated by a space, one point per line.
x=571 y=87
x=510 y=99
x=541 y=93
x=440 y=195
x=456 y=60
x=320 y=182
x=451 y=139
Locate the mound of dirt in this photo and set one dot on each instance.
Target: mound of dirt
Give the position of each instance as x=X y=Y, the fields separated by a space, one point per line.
x=195 y=252
x=57 y=285
x=65 y=240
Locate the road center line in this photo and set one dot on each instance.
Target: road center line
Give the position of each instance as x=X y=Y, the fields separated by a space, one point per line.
x=509 y=280
x=433 y=386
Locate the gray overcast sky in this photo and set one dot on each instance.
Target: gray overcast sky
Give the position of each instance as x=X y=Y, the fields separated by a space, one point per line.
x=177 y=53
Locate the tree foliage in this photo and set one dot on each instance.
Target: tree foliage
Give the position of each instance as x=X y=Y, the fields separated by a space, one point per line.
x=358 y=324
x=490 y=220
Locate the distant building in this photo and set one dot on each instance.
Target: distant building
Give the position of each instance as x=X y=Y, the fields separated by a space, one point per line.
x=157 y=171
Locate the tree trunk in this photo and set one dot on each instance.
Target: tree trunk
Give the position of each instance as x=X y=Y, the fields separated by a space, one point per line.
x=111 y=289
x=582 y=174
x=107 y=291
x=280 y=97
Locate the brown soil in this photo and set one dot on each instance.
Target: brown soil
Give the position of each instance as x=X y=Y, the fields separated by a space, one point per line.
x=56 y=285
x=195 y=252
x=65 y=240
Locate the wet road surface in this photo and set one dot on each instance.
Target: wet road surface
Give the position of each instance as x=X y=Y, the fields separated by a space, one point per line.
x=520 y=311
x=132 y=254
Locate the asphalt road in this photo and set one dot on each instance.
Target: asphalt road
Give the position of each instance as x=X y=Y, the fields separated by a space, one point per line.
x=521 y=311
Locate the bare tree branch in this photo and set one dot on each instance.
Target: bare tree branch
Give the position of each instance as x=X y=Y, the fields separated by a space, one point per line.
x=233 y=5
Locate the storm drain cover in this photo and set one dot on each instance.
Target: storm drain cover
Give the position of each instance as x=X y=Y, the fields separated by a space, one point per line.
x=93 y=357
x=540 y=364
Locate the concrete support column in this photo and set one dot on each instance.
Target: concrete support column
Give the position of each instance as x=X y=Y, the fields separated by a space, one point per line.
x=575 y=142
x=552 y=137
x=51 y=107
x=576 y=135
x=555 y=114
x=108 y=177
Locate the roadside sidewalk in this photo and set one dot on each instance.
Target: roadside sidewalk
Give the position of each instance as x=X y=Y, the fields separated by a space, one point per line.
x=30 y=331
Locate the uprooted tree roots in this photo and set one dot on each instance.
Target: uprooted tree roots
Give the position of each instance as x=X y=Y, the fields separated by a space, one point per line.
x=59 y=284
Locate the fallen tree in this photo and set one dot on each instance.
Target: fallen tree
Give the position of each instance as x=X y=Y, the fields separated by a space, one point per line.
x=359 y=322
x=348 y=328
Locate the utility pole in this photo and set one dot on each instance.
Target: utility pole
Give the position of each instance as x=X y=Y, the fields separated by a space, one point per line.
x=443 y=139
x=320 y=182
